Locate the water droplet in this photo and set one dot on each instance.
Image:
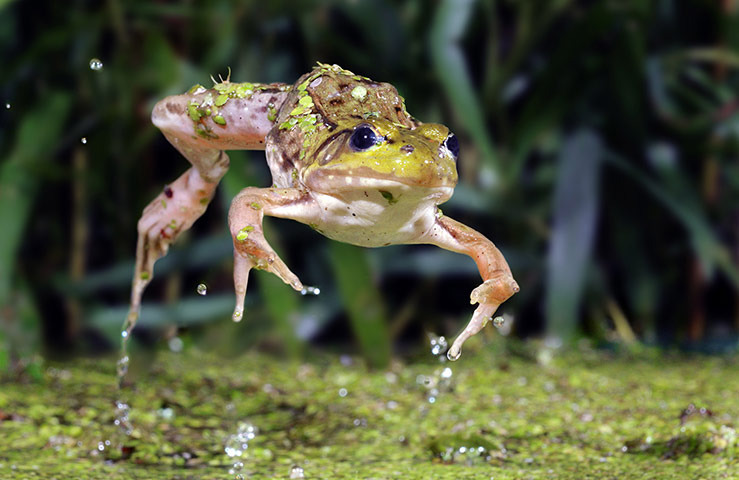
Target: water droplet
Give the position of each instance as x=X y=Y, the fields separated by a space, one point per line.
x=453 y=357
x=96 y=64
x=310 y=291
x=238 y=313
x=83 y=140
x=342 y=392
x=297 y=472
x=438 y=345
x=124 y=334
x=7 y=106
x=446 y=373
x=498 y=322
x=101 y=446
x=202 y=289
x=175 y=344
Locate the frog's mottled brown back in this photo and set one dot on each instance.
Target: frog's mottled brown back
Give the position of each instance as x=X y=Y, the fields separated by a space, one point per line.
x=322 y=103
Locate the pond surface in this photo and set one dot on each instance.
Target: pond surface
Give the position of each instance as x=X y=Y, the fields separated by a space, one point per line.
x=490 y=415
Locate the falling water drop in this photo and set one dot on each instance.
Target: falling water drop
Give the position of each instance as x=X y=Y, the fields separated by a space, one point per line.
x=498 y=322
x=83 y=140
x=202 y=289
x=453 y=356
x=96 y=64
x=297 y=472
x=7 y=106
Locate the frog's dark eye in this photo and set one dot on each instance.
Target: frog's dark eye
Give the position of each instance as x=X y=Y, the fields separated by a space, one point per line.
x=363 y=138
x=452 y=144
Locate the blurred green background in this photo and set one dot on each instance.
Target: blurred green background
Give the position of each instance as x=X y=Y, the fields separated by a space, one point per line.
x=599 y=152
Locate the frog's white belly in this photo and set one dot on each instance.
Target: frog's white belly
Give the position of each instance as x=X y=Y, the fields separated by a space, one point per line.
x=375 y=217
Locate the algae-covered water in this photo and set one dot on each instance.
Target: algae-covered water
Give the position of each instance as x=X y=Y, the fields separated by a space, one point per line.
x=492 y=415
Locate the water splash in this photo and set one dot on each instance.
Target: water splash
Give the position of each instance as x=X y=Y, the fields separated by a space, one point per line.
x=122 y=420
x=296 y=471
x=470 y=455
x=236 y=446
x=202 y=289
x=439 y=345
x=96 y=64
x=122 y=408
x=441 y=380
x=310 y=291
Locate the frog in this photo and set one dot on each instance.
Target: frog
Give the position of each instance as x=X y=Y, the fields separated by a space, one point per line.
x=346 y=159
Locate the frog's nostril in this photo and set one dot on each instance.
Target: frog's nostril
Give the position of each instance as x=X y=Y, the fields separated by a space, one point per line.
x=407 y=148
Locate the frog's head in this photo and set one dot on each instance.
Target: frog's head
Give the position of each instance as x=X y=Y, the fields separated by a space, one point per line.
x=376 y=151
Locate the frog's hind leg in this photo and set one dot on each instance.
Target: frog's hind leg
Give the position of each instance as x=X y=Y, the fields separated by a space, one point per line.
x=172 y=212
x=251 y=250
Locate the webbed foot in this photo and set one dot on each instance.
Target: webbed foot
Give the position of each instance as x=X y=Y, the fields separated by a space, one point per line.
x=490 y=294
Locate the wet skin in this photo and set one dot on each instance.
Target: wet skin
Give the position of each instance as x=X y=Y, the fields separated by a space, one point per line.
x=346 y=158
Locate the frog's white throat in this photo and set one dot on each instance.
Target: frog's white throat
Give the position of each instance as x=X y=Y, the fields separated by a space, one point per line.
x=379 y=214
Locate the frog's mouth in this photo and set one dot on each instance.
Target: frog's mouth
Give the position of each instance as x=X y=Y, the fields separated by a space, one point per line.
x=338 y=167
x=338 y=179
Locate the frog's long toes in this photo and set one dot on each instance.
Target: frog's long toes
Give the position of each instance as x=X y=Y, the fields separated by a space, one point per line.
x=479 y=319
x=242 y=266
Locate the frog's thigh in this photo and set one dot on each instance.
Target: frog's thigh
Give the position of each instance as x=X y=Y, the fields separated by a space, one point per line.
x=172 y=212
x=251 y=249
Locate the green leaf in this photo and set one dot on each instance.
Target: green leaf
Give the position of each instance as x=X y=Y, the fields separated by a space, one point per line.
x=35 y=143
x=447 y=29
x=574 y=219
x=709 y=250
x=363 y=301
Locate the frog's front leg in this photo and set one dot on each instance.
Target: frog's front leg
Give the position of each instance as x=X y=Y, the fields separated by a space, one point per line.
x=498 y=283
x=251 y=250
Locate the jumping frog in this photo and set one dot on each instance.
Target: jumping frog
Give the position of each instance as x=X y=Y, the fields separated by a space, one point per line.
x=346 y=158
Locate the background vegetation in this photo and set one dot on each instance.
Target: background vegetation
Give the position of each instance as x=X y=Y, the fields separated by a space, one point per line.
x=599 y=146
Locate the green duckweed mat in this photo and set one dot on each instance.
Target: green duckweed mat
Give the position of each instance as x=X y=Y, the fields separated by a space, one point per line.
x=488 y=416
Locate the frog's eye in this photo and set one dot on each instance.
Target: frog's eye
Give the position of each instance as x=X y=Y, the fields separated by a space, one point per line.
x=363 y=138
x=452 y=144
